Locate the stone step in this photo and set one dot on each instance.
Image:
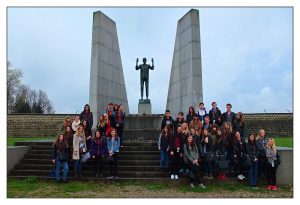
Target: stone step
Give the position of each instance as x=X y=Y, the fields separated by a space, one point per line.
x=90 y=162
x=139 y=143
x=120 y=157
x=127 y=148
x=90 y=166
x=90 y=173
x=121 y=153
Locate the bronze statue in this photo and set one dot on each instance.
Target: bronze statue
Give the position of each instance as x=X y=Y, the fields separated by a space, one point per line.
x=144 y=77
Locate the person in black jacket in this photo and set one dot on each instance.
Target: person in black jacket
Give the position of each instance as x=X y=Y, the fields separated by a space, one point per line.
x=163 y=147
x=88 y=133
x=190 y=115
x=208 y=149
x=87 y=115
x=214 y=113
x=252 y=152
x=238 y=124
x=220 y=147
x=167 y=121
x=228 y=116
x=60 y=157
x=179 y=121
x=239 y=152
x=176 y=152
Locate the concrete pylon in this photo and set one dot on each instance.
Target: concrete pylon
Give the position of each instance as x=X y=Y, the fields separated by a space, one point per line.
x=106 y=76
x=185 y=85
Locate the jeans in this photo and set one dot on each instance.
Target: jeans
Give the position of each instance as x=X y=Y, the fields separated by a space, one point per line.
x=271 y=174
x=164 y=159
x=57 y=168
x=113 y=165
x=175 y=163
x=195 y=176
x=98 y=164
x=253 y=173
x=77 y=165
x=208 y=168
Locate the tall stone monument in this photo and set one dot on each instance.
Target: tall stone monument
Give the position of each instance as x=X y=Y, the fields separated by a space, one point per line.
x=185 y=85
x=106 y=76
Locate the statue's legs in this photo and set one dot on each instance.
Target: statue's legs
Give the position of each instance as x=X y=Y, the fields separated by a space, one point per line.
x=147 y=88
x=142 y=88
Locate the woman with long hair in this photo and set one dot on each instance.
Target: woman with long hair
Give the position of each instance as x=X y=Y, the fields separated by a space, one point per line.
x=229 y=137
x=87 y=115
x=60 y=157
x=163 y=147
x=239 y=124
x=196 y=124
x=190 y=115
x=191 y=156
x=113 y=146
x=88 y=133
x=79 y=148
x=68 y=137
x=102 y=126
x=220 y=146
x=67 y=123
x=208 y=149
x=185 y=131
x=252 y=152
x=239 y=152
x=98 y=152
x=271 y=154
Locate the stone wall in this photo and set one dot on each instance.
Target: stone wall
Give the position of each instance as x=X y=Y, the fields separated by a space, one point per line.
x=23 y=125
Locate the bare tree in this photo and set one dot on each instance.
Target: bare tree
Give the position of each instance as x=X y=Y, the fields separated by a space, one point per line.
x=44 y=103
x=14 y=76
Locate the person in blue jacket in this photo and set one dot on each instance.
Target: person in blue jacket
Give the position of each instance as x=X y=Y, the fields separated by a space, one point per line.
x=113 y=146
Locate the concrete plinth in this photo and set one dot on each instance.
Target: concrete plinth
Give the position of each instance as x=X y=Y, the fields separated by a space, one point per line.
x=144 y=107
x=185 y=86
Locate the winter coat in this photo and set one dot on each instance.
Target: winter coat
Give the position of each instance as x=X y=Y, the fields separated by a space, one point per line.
x=252 y=151
x=201 y=117
x=88 y=117
x=214 y=115
x=166 y=121
x=98 y=147
x=261 y=146
x=60 y=147
x=76 y=145
x=172 y=145
x=189 y=154
x=225 y=119
x=189 y=118
x=239 y=148
x=163 y=143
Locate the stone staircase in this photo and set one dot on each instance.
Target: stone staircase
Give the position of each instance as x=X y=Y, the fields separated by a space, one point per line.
x=135 y=160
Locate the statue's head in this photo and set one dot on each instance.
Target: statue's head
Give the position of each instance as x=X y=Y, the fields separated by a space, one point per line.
x=144 y=60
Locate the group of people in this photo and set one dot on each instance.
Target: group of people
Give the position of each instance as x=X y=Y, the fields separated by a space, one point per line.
x=78 y=142
x=215 y=142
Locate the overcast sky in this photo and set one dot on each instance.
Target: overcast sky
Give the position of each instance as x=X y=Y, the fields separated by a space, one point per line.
x=246 y=54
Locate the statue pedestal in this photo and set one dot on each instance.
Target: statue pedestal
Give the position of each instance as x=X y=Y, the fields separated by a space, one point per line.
x=144 y=107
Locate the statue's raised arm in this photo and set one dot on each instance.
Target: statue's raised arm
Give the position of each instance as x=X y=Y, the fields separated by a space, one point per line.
x=137 y=66
x=152 y=67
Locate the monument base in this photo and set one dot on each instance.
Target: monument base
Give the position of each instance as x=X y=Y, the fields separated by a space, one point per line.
x=144 y=107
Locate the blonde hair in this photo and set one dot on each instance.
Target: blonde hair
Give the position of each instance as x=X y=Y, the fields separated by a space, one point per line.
x=227 y=124
x=78 y=133
x=273 y=147
x=184 y=127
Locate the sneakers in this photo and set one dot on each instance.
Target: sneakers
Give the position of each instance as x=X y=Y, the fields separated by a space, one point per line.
x=269 y=187
x=273 y=188
x=202 y=186
x=172 y=176
x=176 y=176
x=110 y=177
x=192 y=185
x=240 y=177
x=243 y=176
x=115 y=177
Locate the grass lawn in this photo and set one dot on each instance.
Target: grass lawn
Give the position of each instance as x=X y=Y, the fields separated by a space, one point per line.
x=33 y=188
x=284 y=141
x=11 y=140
